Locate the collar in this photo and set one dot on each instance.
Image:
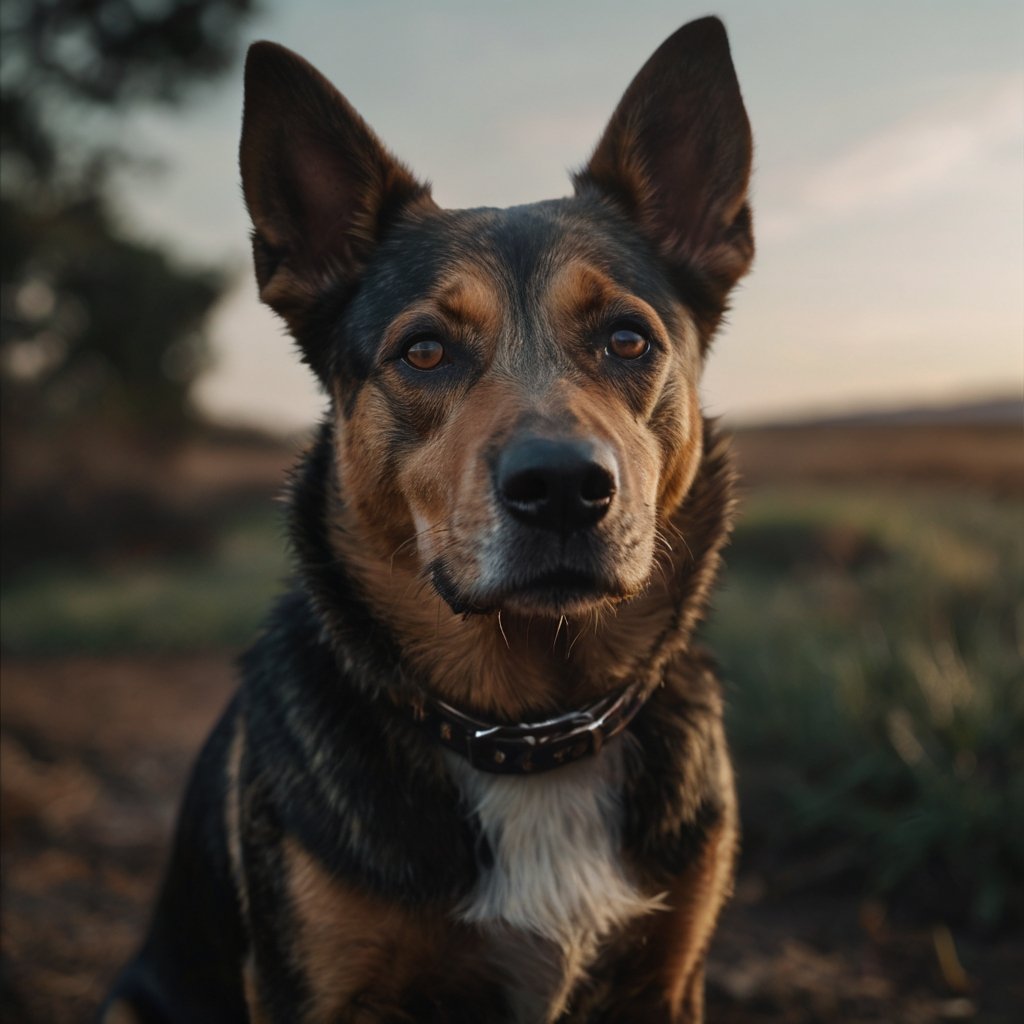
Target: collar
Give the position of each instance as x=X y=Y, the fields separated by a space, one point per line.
x=530 y=747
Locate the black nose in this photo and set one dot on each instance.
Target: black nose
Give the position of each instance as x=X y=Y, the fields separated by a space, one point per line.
x=561 y=485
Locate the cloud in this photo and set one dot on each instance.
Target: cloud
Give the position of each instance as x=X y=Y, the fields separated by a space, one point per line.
x=930 y=154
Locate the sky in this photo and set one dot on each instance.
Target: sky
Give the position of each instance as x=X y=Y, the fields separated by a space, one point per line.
x=887 y=194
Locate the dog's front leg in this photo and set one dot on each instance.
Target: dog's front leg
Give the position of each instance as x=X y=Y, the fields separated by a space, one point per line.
x=325 y=951
x=656 y=975
x=677 y=950
x=273 y=973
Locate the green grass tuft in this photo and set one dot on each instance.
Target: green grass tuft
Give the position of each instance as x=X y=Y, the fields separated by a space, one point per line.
x=872 y=644
x=182 y=604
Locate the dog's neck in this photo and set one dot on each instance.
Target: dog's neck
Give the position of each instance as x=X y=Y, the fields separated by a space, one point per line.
x=380 y=609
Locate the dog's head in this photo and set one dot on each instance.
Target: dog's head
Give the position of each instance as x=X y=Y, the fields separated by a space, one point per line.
x=515 y=391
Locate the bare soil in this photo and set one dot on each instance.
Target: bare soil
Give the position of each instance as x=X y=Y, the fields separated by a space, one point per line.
x=94 y=756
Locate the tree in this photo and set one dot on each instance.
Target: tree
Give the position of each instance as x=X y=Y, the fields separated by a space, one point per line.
x=91 y=320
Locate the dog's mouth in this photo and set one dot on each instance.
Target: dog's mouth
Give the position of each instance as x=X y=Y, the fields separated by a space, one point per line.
x=560 y=591
x=563 y=590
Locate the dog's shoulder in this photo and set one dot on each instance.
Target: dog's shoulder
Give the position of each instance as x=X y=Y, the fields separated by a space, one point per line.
x=332 y=764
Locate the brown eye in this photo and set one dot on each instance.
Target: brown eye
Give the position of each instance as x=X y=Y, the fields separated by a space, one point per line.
x=627 y=344
x=425 y=354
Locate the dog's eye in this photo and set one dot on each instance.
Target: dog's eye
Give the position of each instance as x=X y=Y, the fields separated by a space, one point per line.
x=425 y=354
x=627 y=344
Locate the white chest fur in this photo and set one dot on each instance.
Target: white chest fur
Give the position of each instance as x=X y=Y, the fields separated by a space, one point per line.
x=557 y=884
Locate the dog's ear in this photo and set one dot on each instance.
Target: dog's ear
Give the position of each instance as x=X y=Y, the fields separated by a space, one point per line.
x=677 y=154
x=319 y=185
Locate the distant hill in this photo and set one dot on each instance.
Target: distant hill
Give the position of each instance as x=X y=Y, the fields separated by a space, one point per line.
x=975 y=444
x=1002 y=410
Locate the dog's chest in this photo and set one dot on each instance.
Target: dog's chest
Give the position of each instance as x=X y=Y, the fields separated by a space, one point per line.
x=554 y=885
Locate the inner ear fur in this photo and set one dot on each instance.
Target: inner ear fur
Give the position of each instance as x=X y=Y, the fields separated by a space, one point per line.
x=319 y=185
x=677 y=155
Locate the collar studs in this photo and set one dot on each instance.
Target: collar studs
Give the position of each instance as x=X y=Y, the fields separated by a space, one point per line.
x=530 y=747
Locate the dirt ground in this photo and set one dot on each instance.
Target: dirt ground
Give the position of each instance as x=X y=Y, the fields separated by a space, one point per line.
x=95 y=752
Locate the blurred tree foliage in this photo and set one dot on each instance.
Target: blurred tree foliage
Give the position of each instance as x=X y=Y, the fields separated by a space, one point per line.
x=93 y=321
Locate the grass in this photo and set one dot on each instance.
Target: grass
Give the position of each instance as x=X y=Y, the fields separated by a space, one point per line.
x=873 y=647
x=188 y=603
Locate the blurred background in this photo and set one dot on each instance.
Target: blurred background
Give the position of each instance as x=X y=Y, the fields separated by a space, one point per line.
x=869 y=622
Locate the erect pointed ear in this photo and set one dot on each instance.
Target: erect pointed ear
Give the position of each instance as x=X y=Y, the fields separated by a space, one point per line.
x=677 y=154
x=320 y=187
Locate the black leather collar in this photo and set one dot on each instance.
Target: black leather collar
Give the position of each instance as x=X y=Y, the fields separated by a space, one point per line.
x=529 y=748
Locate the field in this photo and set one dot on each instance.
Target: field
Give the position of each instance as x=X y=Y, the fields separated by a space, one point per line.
x=870 y=628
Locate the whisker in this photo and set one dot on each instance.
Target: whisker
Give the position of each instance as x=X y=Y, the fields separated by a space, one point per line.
x=583 y=629
x=677 y=532
x=689 y=550
x=558 y=629
x=671 y=525
x=660 y=538
x=661 y=571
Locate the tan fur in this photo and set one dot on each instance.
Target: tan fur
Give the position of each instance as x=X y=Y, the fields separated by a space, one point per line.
x=468 y=298
x=466 y=302
x=120 y=1012
x=257 y=1012
x=345 y=940
x=349 y=944
x=577 y=296
x=695 y=901
x=577 y=291
x=232 y=814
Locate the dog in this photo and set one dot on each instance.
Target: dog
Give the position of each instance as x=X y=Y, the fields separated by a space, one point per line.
x=476 y=769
